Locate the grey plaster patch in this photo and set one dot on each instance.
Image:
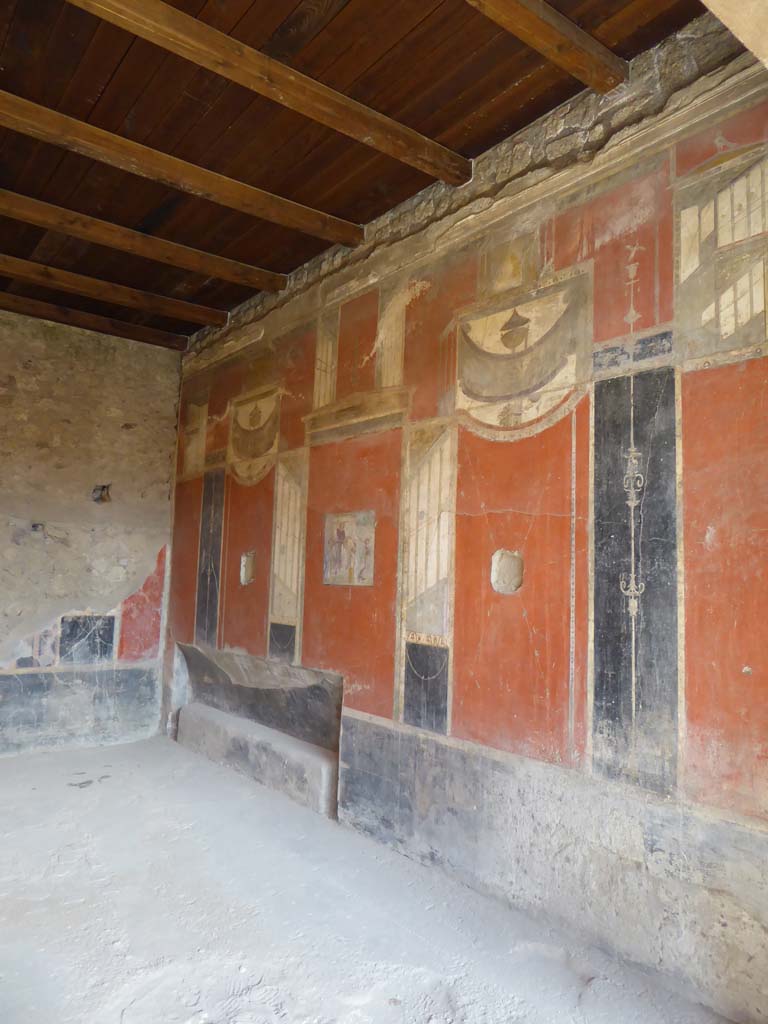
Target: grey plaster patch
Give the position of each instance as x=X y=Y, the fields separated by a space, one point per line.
x=506 y=571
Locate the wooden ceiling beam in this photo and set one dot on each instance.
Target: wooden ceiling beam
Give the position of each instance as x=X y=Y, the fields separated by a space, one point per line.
x=48 y=125
x=173 y=30
x=101 y=232
x=106 y=291
x=558 y=39
x=90 y=321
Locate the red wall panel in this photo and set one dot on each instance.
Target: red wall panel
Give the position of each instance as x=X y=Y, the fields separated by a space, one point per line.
x=248 y=513
x=226 y=383
x=297 y=353
x=356 y=362
x=581 y=580
x=430 y=343
x=141 y=616
x=186 y=540
x=511 y=661
x=743 y=129
x=629 y=233
x=352 y=629
x=725 y=445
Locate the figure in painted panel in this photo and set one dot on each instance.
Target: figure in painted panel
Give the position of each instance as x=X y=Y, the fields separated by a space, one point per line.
x=349 y=549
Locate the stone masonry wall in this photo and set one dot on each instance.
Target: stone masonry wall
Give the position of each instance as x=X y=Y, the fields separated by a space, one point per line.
x=81 y=581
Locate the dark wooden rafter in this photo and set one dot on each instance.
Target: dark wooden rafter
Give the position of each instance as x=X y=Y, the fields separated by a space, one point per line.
x=440 y=66
x=107 y=291
x=167 y=27
x=90 y=229
x=90 y=321
x=48 y=125
x=558 y=39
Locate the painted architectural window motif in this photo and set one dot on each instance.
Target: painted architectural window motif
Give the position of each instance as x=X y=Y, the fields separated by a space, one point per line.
x=723 y=218
x=740 y=302
x=288 y=557
x=390 y=335
x=288 y=544
x=742 y=206
x=349 y=549
x=326 y=359
x=430 y=539
x=428 y=613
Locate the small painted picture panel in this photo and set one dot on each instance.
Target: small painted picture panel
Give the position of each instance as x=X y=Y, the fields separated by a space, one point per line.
x=348 y=552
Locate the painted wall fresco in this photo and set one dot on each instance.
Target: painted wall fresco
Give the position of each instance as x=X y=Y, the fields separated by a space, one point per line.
x=350 y=538
x=88 y=678
x=635 y=578
x=515 y=494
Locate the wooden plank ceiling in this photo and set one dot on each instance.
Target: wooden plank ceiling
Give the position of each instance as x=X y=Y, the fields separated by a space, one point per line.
x=151 y=194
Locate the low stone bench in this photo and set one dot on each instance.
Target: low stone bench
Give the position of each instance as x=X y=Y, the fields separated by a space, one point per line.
x=303 y=702
x=306 y=773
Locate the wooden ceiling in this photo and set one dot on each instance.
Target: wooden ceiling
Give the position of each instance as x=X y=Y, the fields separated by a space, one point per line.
x=146 y=194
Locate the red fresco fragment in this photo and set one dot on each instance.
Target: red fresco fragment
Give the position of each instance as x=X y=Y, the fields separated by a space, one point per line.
x=184 y=555
x=180 y=450
x=356 y=360
x=217 y=433
x=743 y=129
x=352 y=629
x=511 y=660
x=629 y=234
x=297 y=355
x=581 y=580
x=226 y=384
x=243 y=610
x=430 y=340
x=725 y=486
x=141 y=616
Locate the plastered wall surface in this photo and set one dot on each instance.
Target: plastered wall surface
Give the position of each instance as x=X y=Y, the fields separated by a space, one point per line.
x=505 y=475
x=747 y=19
x=82 y=582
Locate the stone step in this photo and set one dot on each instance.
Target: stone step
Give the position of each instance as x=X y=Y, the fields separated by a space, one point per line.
x=303 y=702
x=304 y=772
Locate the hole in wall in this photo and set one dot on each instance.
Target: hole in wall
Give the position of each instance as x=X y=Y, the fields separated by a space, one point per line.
x=247 y=568
x=507 y=571
x=101 y=493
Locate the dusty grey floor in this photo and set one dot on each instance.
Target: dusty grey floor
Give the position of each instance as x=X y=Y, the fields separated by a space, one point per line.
x=142 y=885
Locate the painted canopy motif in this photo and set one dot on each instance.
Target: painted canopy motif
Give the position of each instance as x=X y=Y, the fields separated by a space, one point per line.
x=253 y=436
x=518 y=362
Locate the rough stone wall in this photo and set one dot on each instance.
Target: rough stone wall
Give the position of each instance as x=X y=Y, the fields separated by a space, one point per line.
x=78 y=411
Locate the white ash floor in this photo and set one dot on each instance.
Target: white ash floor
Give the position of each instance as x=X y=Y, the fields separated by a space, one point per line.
x=143 y=885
